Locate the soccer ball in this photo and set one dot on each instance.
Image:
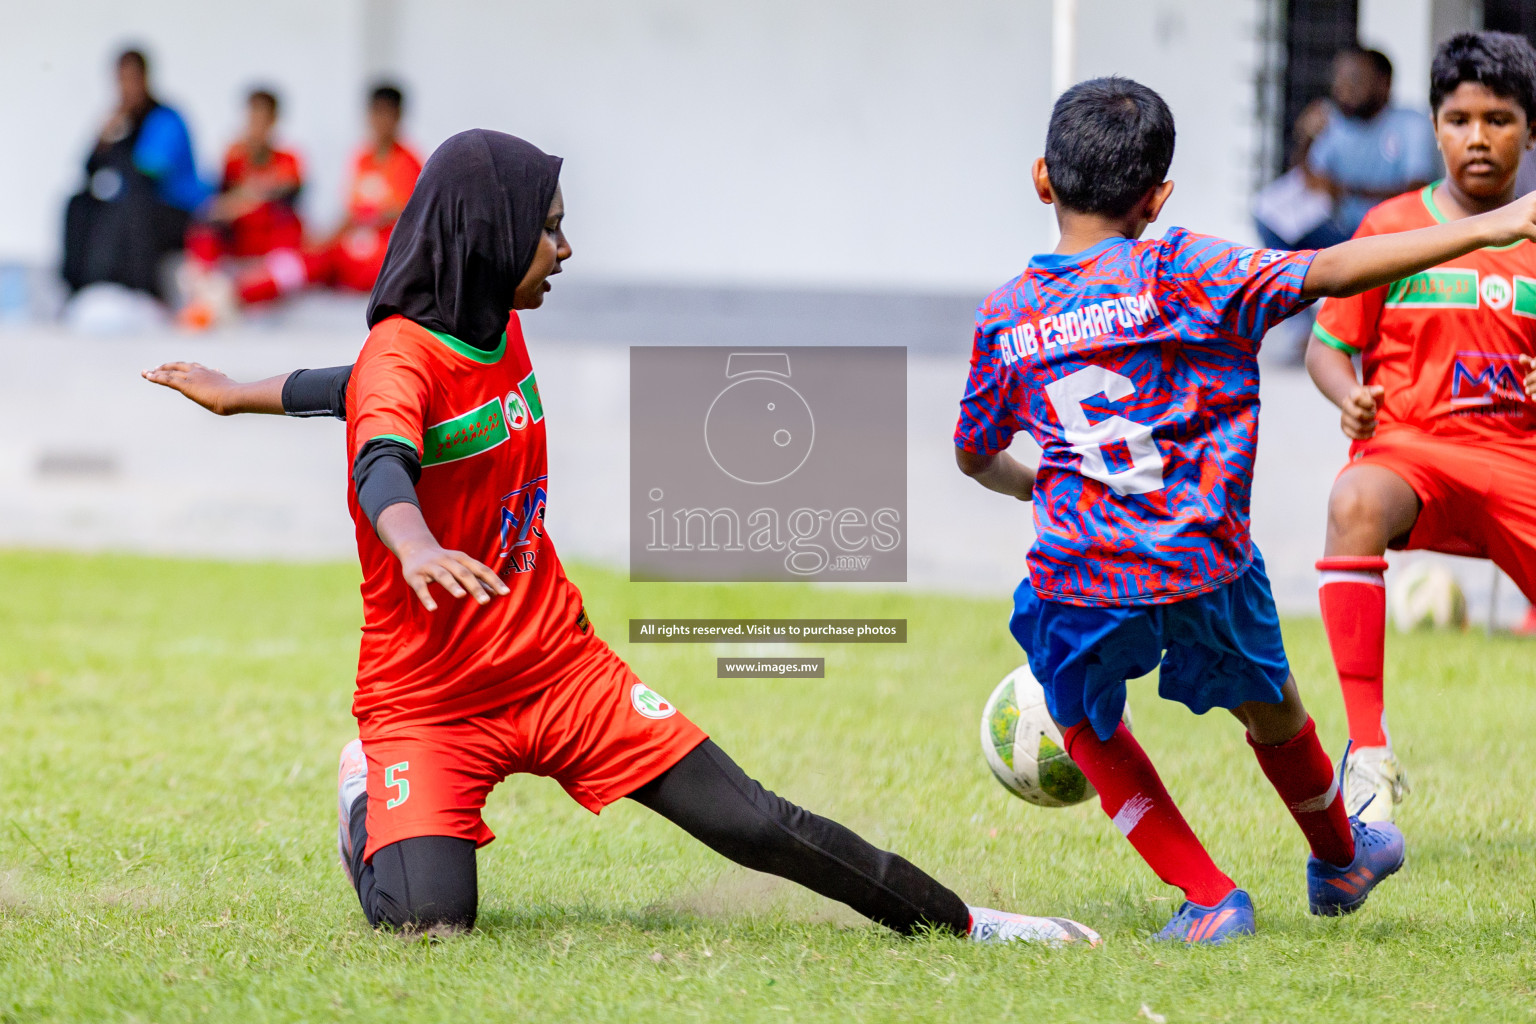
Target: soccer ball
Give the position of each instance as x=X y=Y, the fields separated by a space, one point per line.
x=1426 y=596
x=1024 y=748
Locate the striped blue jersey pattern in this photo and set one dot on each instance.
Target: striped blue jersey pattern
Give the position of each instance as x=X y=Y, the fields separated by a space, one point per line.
x=1133 y=364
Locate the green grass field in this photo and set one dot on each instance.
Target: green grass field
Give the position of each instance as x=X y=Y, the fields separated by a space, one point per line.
x=167 y=830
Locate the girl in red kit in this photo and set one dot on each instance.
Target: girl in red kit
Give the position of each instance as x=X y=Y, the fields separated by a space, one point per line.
x=449 y=484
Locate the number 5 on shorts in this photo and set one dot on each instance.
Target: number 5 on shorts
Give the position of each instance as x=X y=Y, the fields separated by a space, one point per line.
x=393 y=781
x=1067 y=396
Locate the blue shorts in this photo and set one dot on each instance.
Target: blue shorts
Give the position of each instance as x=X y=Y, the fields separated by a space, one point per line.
x=1217 y=650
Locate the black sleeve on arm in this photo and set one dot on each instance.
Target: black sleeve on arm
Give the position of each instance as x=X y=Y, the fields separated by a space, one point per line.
x=385 y=473
x=317 y=392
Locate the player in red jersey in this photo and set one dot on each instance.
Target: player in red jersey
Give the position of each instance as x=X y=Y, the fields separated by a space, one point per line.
x=253 y=214
x=383 y=174
x=446 y=433
x=1443 y=425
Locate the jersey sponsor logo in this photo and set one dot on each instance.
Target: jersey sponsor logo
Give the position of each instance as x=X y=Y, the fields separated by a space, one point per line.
x=1525 y=296
x=1076 y=326
x=518 y=415
x=470 y=433
x=522 y=523
x=1442 y=288
x=650 y=703
x=1486 y=378
x=528 y=387
x=1496 y=291
x=1247 y=263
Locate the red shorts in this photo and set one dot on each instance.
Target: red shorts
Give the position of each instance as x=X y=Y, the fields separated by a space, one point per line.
x=598 y=731
x=353 y=261
x=1479 y=496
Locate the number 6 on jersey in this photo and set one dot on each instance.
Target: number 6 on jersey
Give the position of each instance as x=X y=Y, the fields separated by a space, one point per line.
x=1067 y=396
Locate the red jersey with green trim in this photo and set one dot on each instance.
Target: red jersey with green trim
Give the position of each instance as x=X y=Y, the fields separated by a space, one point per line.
x=1444 y=343
x=477 y=421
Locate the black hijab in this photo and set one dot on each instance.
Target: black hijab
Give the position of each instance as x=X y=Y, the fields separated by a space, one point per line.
x=467 y=236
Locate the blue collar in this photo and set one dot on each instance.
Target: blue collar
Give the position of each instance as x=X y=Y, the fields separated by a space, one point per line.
x=1061 y=261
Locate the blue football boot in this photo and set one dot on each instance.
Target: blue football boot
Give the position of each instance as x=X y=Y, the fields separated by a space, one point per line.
x=1379 y=852
x=1207 y=926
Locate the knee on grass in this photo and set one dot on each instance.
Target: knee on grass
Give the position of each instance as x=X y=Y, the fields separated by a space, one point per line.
x=425 y=929
x=425 y=884
x=426 y=917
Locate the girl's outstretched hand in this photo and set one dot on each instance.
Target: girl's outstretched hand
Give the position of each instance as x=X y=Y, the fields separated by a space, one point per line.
x=217 y=392
x=204 y=385
x=1529 y=362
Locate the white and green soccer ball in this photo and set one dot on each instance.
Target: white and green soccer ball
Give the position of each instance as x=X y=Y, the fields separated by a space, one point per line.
x=1425 y=595
x=1024 y=748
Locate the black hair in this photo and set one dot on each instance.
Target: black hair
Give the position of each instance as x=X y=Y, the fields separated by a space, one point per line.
x=386 y=92
x=263 y=95
x=135 y=56
x=1379 y=62
x=1503 y=63
x=1110 y=141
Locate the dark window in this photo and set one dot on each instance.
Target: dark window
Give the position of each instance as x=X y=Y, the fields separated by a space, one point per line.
x=1315 y=30
x=1518 y=16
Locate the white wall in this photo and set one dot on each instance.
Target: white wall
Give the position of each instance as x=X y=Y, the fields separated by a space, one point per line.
x=772 y=141
x=1203 y=57
x=832 y=143
x=56 y=88
x=1402 y=30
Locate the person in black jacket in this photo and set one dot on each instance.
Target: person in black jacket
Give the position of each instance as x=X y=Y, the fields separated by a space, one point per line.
x=141 y=189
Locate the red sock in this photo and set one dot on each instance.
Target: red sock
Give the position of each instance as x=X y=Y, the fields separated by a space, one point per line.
x=1135 y=800
x=1301 y=773
x=259 y=287
x=1354 y=599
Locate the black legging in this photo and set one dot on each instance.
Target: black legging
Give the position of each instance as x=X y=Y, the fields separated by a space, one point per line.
x=431 y=882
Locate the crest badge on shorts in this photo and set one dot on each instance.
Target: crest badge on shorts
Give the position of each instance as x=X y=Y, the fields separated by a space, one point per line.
x=650 y=703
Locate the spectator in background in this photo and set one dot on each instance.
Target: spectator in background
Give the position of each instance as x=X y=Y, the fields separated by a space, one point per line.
x=1289 y=212
x=254 y=213
x=1370 y=150
x=383 y=174
x=142 y=187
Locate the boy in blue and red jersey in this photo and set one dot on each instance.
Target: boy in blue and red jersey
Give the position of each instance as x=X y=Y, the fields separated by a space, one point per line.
x=1133 y=364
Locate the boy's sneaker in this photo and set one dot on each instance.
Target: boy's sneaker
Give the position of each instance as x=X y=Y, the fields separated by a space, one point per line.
x=1379 y=852
x=1207 y=926
x=1374 y=783
x=998 y=926
x=351 y=783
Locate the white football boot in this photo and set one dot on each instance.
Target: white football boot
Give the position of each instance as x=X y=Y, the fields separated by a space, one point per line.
x=351 y=783
x=998 y=926
x=1373 y=772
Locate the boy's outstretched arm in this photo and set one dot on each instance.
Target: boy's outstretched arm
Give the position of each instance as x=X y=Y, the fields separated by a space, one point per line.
x=998 y=472
x=1334 y=374
x=299 y=393
x=1529 y=362
x=1361 y=264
